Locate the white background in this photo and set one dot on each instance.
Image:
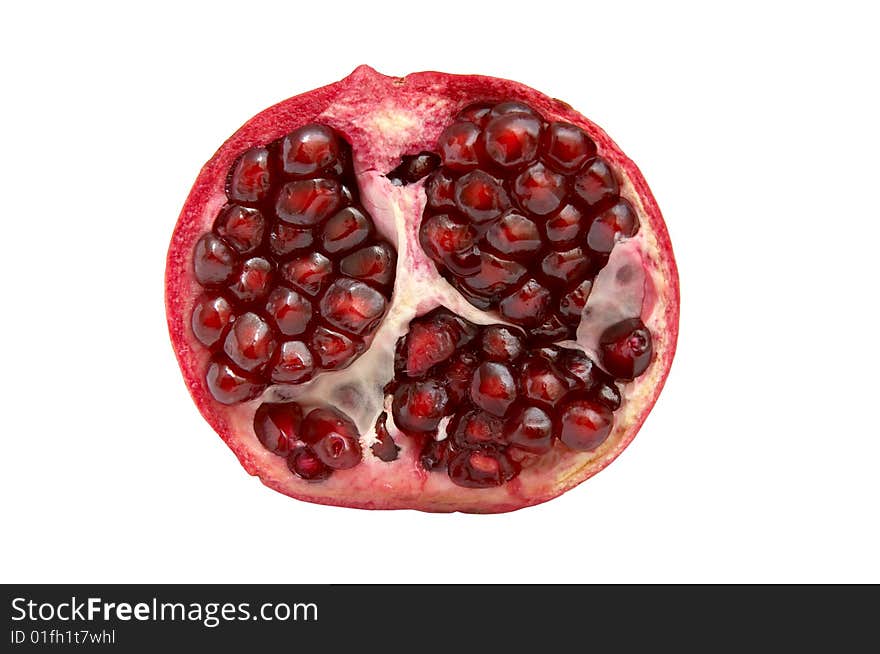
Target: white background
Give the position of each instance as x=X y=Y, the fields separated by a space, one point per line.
x=756 y=127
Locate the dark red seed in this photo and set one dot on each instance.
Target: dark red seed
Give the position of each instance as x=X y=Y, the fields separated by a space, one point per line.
x=567 y=147
x=480 y=197
x=210 y=317
x=527 y=305
x=413 y=167
x=550 y=331
x=580 y=368
x=213 y=261
x=432 y=340
x=333 y=436
x=625 y=349
x=419 y=405
x=291 y=311
x=539 y=190
x=596 y=184
x=284 y=239
x=443 y=235
x=496 y=275
x=566 y=227
x=513 y=234
x=565 y=267
x=529 y=429
x=307 y=202
x=353 y=306
x=311 y=149
x=493 y=388
x=374 y=263
x=511 y=140
x=571 y=305
x=440 y=190
x=584 y=425
x=609 y=395
x=512 y=107
x=249 y=179
x=476 y=113
x=308 y=272
x=480 y=469
x=500 y=343
x=476 y=429
x=241 y=227
x=277 y=426
x=458 y=374
x=228 y=386
x=541 y=382
x=292 y=364
x=250 y=343
x=434 y=454
x=611 y=225
x=333 y=350
x=304 y=463
x=457 y=145
x=345 y=230
x=253 y=280
x=384 y=449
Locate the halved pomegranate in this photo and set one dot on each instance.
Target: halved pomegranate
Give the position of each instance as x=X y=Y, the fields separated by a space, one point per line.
x=438 y=292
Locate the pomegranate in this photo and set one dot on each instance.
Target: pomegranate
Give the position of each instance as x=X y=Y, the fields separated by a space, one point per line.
x=438 y=292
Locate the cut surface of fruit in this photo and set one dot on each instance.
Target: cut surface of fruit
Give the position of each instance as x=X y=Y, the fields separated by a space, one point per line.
x=437 y=292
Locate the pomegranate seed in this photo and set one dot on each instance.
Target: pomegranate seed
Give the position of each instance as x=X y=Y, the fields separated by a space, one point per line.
x=567 y=147
x=334 y=438
x=384 y=449
x=440 y=190
x=293 y=364
x=434 y=454
x=500 y=343
x=284 y=239
x=374 y=263
x=249 y=343
x=228 y=386
x=584 y=425
x=412 y=168
x=478 y=114
x=513 y=234
x=210 y=317
x=458 y=375
x=596 y=184
x=477 y=428
x=480 y=197
x=249 y=178
x=496 y=275
x=291 y=311
x=527 y=305
x=625 y=349
x=333 y=350
x=530 y=429
x=308 y=272
x=566 y=227
x=345 y=230
x=213 y=261
x=479 y=469
x=304 y=463
x=253 y=280
x=419 y=405
x=277 y=426
x=309 y=150
x=579 y=367
x=352 y=306
x=493 y=388
x=307 y=202
x=539 y=190
x=550 y=331
x=609 y=395
x=608 y=227
x=432 y=340
x=565 y=267
x=571 y=306
x=541 y=382
x=443 y=235
x=241 y=227
x=511 y=140
x=457 y=146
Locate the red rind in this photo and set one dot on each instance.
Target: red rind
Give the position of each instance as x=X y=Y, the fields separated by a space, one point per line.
x=435 y=97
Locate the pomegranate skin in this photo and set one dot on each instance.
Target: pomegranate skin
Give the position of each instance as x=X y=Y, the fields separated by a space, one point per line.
x=383 y=118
